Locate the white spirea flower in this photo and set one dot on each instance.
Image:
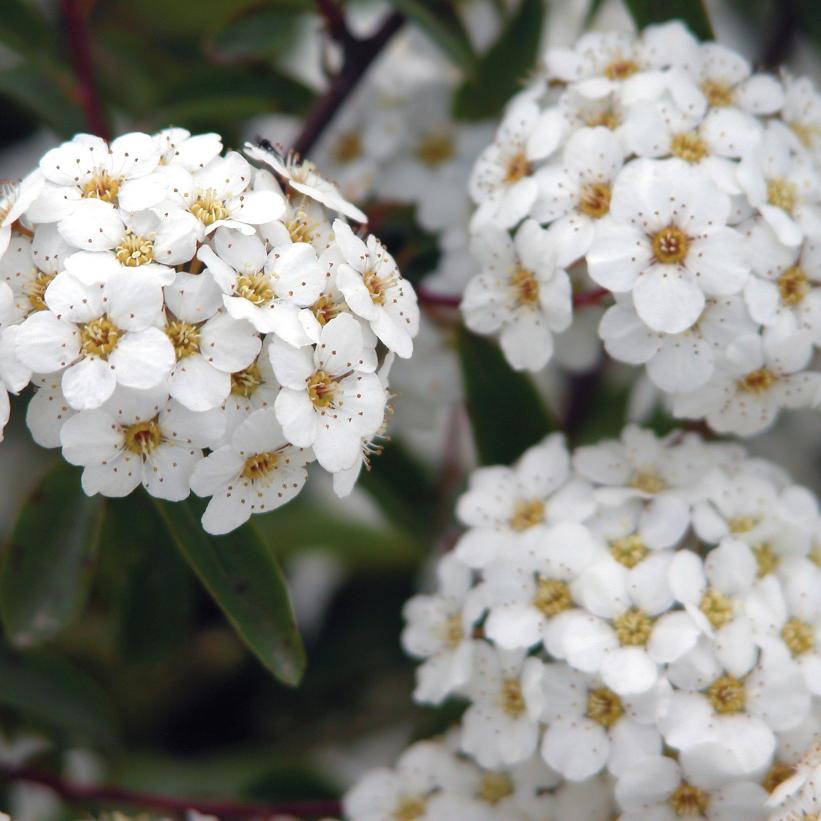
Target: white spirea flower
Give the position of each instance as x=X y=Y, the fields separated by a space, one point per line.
x=651 y=653
x=163 y=298
x=688 y=187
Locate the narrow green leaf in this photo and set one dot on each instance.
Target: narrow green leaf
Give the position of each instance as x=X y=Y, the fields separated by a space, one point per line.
x=244 y=578
x=24 y=30
x=503 y=68
x=439 y=20
x=52 y=691
x=507 y=413
x=691 y=12
x=47 y=565
x=260 y=34
x=404 y=488
x=45 y=93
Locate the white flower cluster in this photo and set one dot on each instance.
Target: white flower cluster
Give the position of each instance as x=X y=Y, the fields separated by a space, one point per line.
x=641 y=617
x=165 y=298
x=667 y=175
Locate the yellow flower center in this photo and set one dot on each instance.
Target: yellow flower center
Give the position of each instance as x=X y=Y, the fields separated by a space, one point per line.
x=378 y=286
x=815 y=555
x=766 y=558
x=595 y=199
x=517 y=168
x=259 y=465
x=757 y=382
x=135 y=250
x=808 y=134
x=142 y=438
x=255 y=288
x=552 y=597
x=793 y=285
x=727 y=695
x=99 y=337
x=321 y=389
x=409 y=807
x=604 y=707
x=36 y=291
x=689 y=146
x=687 y=801
x=718 y=94
x=629 y=550
x=348 y=148
x=606 y=118
x=207 y=207
x=717 y=607
x=741 y=524
x=527 y=513
x=633 y=628
x=245 y=383
x=776 y=775
x=435 y=149
x=670 y=245
x=621 y=69
x=453 y=632
x=494 y=787
x=648 y=481
x=325 y=309
x=300 y=228
x=782 y=194
x=102 y=186
x=798 y=636
x=184 y=336
x=512 y=698
x=525 y=287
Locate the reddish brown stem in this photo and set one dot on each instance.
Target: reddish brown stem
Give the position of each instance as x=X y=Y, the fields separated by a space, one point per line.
x=80 y=48
x=359 y=54
x=331 y=12
x=80 y=793
x=430 y=299
x=587 y=298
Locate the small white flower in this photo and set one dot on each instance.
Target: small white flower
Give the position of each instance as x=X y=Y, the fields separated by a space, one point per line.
x=521 y=291
x=266 y=288
x=14 y=375
x=47 y=411
x=103 y=335
x=303 y=177
x=256 y=472
x=139 y=437
x=501 y=726
x=666 y=240
x=375 y=290
x=331 y=398
x=15 y=199
x=178 y=146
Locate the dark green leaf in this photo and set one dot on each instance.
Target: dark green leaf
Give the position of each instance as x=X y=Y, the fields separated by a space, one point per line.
x=507 y=413
x=51 y=691
x=503 y=68
x=45 y=93
x=262 y=33
x=439 y=20
x=244 y=578
x=691 y=12
x=157 y=599
x=404 y=489
x=24 y=30
x=46 y=568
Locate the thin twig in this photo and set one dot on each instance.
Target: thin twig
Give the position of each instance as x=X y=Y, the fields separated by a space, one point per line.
x=359 y=54
x=331 y=12
x=165 y=803
x=80 y=47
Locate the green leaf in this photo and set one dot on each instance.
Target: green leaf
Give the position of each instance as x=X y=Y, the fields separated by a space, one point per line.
x=691 y=12
x=404 y=488
x=245 y=580
x=503 y=68
x=439 y=20
x=47 y=565
x=157 y=599
x=47 y=94
x=52 y=691
x=24 y=30
x=260 y=34
x=507 y=413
